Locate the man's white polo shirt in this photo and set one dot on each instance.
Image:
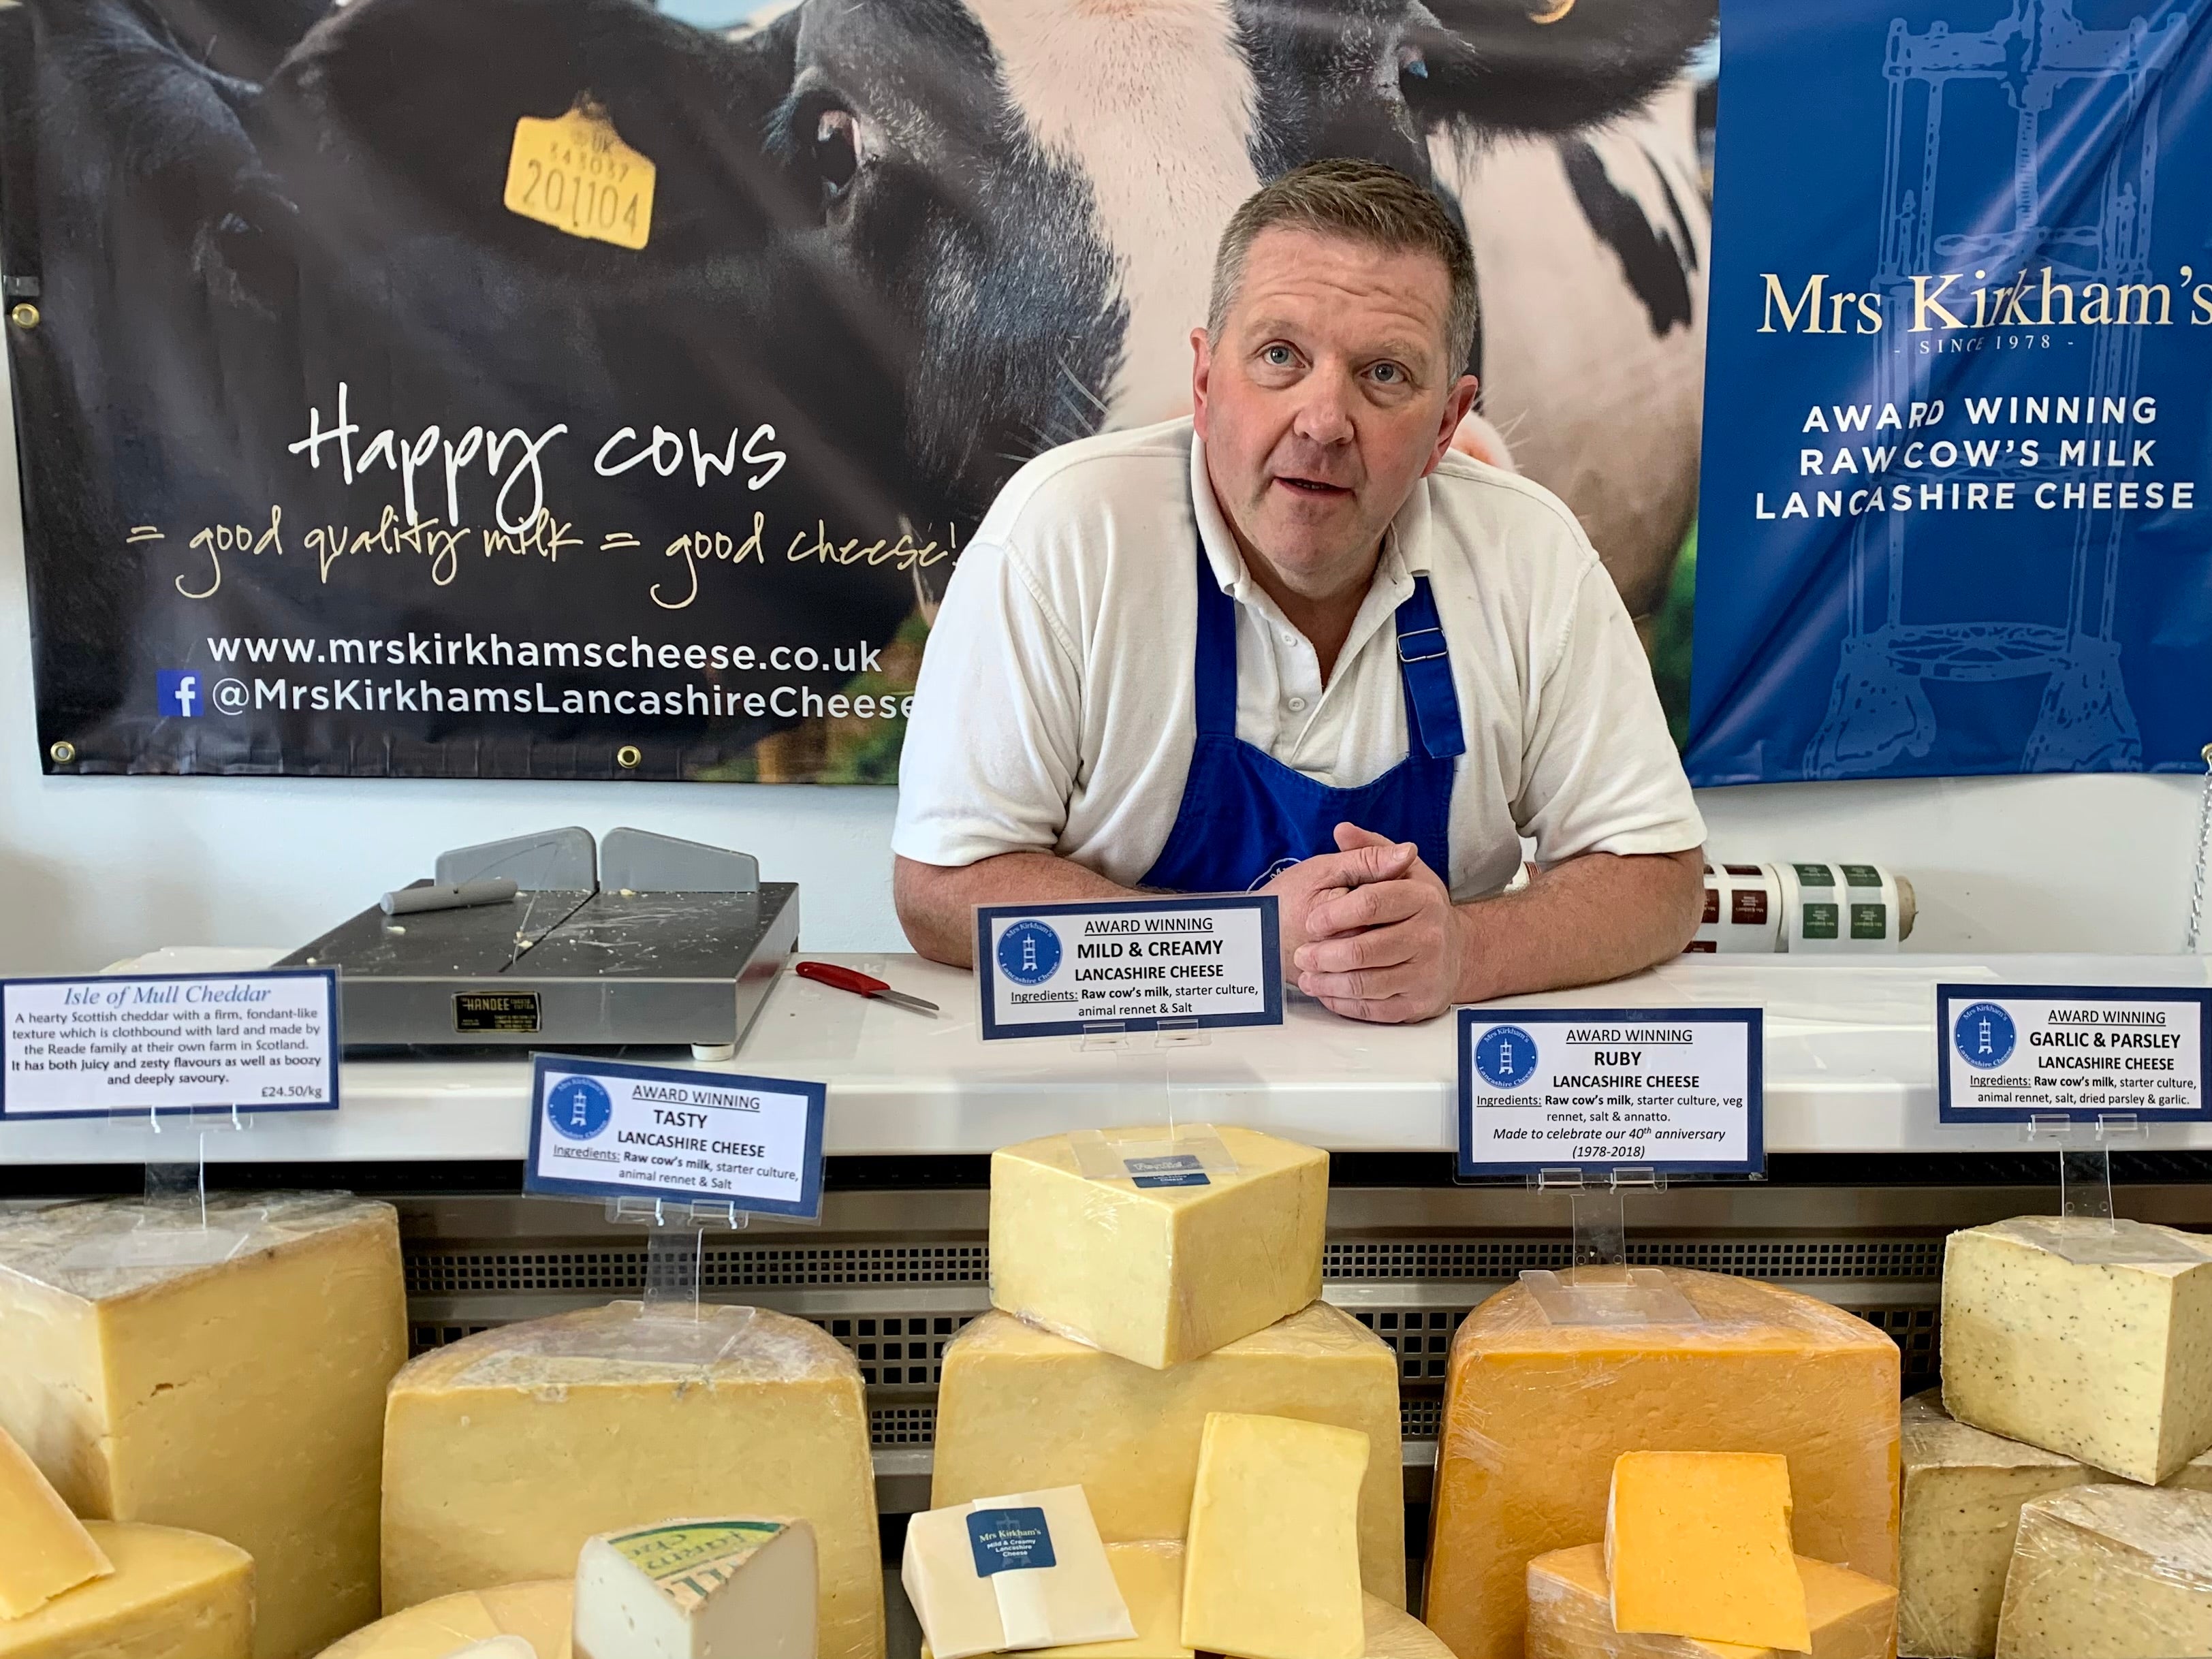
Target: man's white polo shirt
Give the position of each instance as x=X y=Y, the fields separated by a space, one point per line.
x=1055 y=710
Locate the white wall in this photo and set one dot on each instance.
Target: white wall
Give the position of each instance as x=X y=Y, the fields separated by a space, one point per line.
x=93 y=869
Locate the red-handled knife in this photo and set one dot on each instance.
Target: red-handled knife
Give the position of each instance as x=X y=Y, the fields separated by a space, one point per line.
x=849 y=979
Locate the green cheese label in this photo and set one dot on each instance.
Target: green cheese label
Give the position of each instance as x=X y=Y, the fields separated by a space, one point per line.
x=687 y=1561
x=1869 y=921
x=1821 y=920
x=1861 y=875
x=1814 y=875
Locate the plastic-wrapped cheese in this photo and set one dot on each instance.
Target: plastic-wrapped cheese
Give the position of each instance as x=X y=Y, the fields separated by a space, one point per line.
x=505 y=1451
x=1963 y=1490
x=1019 y=1408
x=1571 y=1615
x=2110 y=1572
x=538 y=1612
x=1150 y=1578
x=2086 y=1337
x=1146 y=1266
x=1535 y=1414
x=173 y=1594
x=229 y=1380
x=1393 y=1633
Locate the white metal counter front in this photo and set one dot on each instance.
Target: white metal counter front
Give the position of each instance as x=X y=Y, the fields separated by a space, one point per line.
x=1851 y=1067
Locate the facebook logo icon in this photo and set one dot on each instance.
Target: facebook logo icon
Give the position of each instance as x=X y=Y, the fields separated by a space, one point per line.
x=179 y=691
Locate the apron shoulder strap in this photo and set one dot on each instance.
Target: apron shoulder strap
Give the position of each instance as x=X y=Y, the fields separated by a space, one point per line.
x=1424 y=667
x=1214 y=679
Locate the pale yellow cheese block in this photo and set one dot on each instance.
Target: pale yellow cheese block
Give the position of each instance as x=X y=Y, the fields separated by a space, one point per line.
x=1698 y=1544
x=242 y=1397
x=2110 y=1572
x=1157 y=1274
x=1071 y=1598
x=1150 y=1578
x=1019 y=1408
x=173 y=1594
x=1393 y=1633
x=505 y=1451
x=1963 y=1490
x=2110 y=1363
x=1536 y=1413
x=1571 y=1615
x=539 y=1612
x=1271 y=1568
x=44 y=1549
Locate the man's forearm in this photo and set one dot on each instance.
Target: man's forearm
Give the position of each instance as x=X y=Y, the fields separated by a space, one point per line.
x=1593 y=918
x=937 y=903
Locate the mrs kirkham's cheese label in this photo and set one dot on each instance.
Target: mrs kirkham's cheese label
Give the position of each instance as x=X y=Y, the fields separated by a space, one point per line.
x=1061 y=970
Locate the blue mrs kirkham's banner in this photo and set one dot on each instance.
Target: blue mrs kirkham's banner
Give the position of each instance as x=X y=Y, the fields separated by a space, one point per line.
x=1954 y=513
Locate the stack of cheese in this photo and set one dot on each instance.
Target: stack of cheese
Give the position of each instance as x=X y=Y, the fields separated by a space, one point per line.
x=69 y=1589
x=225 y=1378
x=505 y=1452
x=1159 y=1343
x=1697 y=1564
x=1537 y=1413
x=2052 y=1506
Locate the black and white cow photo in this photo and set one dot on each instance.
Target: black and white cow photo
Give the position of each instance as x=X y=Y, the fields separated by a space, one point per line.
x=922 y=239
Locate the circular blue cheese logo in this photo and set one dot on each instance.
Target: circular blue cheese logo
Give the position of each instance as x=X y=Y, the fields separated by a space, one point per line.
x=1505 y=1056
x=578 y=1108
x=1028 y=952
x=1984 y=1034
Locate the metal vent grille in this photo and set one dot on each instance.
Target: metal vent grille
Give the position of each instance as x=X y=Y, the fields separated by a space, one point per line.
x=1503 y=1258
x=1420 y=1336
x=749 y=1268
x=1421 y=1418
x=902 y=1425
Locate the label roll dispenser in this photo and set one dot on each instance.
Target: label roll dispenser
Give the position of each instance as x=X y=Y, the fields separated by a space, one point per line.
x=638 y=939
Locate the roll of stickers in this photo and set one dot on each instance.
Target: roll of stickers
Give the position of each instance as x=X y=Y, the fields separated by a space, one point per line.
x=1803 y=908
x=1743 y=910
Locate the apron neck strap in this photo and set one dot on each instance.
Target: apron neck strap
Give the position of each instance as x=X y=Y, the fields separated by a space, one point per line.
x=1432 y=722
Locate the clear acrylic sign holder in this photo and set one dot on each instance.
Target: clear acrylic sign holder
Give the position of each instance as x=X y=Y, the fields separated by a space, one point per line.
x=2085 y=1158
x=173 y=1228
x=1599 y=1287
x=674 y=1324
x=1143 y=1084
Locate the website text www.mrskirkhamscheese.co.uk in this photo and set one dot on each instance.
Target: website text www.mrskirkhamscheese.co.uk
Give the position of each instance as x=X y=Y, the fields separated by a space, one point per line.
x=667 y=673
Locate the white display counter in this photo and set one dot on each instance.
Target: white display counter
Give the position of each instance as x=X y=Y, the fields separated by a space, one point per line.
x=1850 y=1069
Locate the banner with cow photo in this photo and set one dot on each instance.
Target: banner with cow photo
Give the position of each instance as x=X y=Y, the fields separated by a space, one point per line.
x=583 y=388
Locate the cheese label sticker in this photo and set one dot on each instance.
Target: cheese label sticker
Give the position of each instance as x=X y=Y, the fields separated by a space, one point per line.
x=1139 y=965
x=603 y=1128
x=2011 y=1054
x=1605 y=1089
x=136 y=1045
x=576 y=174
x=689 y=1560
x=1009 y=1541
x=1176 y=1169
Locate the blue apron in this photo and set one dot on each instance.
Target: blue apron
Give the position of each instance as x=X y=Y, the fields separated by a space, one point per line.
x=1245 y=815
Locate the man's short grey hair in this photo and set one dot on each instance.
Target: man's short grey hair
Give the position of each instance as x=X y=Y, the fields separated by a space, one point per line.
x=1363 y=201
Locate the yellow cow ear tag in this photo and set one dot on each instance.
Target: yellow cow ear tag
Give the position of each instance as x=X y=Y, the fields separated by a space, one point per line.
x=576 y=175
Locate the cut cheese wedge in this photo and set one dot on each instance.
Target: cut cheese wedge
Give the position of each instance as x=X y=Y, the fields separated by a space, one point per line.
x=44 y=1549
x=1698 y=1544
x=1271 y=1569
x=173 y=1594
x=2085 y=1337
x=1571 y=1615
x=1536 y=1413
x=2110 y=1572
x=539 y=1613
x=505 y=1451
x=1025 y=1570
x=227 y=1379
x=1963 y=1490
x=1157 y=1267
x=1393 y=1633
x=1019 y=1408
x=698 y=1590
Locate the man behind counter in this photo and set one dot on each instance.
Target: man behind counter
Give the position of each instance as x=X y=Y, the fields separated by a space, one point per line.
x=1297 y=645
